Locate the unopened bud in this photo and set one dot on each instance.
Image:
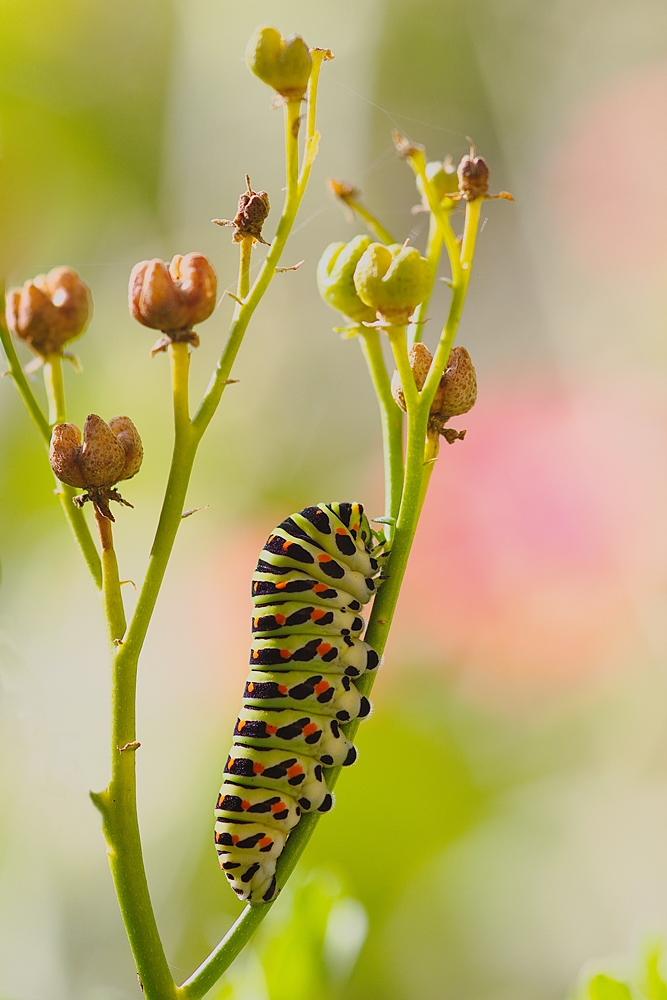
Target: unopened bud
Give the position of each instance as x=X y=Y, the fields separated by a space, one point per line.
x=473 y=175
x=442 y=176
x=50 y=310
x=250 y=216
x=392 y=281
x=282 y=63
x=109 y=454
x=173 y=298
x=335 y=278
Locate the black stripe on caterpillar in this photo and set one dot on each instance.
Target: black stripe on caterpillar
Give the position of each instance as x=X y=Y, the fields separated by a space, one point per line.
x=315 y=572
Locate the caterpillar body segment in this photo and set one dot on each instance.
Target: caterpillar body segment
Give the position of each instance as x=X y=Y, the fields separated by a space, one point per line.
x=282 y=728
x=237 y=804
x=307 y=618
x=291 y=774
x=269 y=586
x=305 y=690
x=316 y=570
x=343 y=655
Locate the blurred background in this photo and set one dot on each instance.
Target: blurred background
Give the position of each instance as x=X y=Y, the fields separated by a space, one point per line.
x=521 y=711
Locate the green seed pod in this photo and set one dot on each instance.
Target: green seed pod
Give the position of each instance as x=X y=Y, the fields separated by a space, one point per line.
x=282 y=63
x=335 y=278
x=393 y=280
x=442 y=176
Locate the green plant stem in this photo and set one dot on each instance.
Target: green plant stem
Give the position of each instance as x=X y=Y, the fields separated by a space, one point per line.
x=371 y=221
x=74 y=516
x=118 y=802
x=113 y=599
x=433 y=253
x=391 y=417
x=23 y=387
x=55 y=394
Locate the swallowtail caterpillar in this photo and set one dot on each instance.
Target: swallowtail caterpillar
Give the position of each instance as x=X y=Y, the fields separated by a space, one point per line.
x=314 y=573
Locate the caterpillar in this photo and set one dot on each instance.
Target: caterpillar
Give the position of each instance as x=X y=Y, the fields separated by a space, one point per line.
x=316 y=570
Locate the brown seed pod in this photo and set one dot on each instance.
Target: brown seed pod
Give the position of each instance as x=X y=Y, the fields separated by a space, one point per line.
x=128 y=437
x=50 y=310
x=420 y=359
x=64 y=455
x=109 y=453
x=455 y=395
x=173 y=298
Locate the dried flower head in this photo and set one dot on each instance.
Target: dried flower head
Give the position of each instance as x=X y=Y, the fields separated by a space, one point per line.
x=173 y=298
x=455 y=395
x=50 y=310
x=108 y=454
x=473 y=177
x=251 y=215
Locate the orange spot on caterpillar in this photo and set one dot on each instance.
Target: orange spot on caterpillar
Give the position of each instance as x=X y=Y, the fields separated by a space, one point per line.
x=281 y=585
x=245 y=805
x=324 y=558
x=285 y=654
x=235 y=838
x=321 y=687
x=316 y=614
x=240 y=723
x=230 y=762
x=255 y=654
x=280 y=619
x=294 y=770
x=251 y=687
x=257 y=768
x=270 y=730
x=282 y=688
x=324 y=648
x=309 y=729
x=286 y=545
x=264 y=842
x=319 y=588
x=278 y=807
x=255 y=622
x=341 y=531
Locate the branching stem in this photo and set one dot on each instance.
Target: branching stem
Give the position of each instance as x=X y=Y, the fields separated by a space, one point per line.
x=421 y=452
x=391 y=417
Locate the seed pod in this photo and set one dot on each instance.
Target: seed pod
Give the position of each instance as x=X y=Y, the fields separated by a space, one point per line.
x=64 y=455
x=420 y=359
x=335 y=278
x=473 y=175
x=457 y=392
x=102 y=457
x=173 y=298
x=392 y=281
x=455 y=395
x=282 y=63
x=50 y=310
x=129 y=439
